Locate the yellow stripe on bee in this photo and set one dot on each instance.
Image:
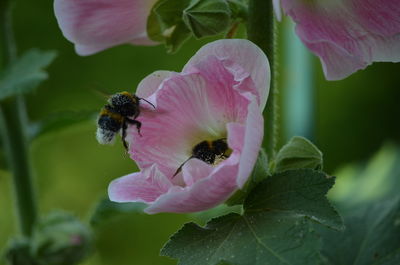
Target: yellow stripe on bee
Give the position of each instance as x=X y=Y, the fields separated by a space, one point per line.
x=115 y=116
x=130 y=95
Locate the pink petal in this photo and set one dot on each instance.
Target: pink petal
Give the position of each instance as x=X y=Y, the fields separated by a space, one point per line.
x=188 y=107
x=145 y=186
x=243 y=53
x=253 y=136
x=236 y=132
x=194 y=170
x=218 y=72
x=95 y=25
x=203 y=194
x=348 y=35
x=150 y=83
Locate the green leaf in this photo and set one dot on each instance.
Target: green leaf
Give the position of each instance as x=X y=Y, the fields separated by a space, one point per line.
x=298 y=153
x=239 y=9
x=26 y=73
x=107 y=210
x=301 y=191
x=169 y=12
x=178 y=36
x=260 y=172
x=165 y=23
x=223 y=262
x=220 y=210
x=372 y=236
x=207 y=17
x=58 y=121
x=274 y=229
x=251 y=239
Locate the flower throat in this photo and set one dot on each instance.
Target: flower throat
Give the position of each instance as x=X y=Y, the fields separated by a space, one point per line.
x=211 y=152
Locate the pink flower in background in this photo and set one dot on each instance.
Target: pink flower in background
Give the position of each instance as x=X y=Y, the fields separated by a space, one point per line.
x=211 y=112
x=95 y=25
x=347 y=35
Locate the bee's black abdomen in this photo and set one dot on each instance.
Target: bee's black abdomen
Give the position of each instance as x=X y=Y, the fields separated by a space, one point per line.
x=108 y=123
x=107 y=128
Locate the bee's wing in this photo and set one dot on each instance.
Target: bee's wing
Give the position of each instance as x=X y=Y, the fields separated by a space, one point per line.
x=101 y=93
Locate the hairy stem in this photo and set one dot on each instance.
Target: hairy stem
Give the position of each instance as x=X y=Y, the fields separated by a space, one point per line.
x=261 y=29
x=13 y=133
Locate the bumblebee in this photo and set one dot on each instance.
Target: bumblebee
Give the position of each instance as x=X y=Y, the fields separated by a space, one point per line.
x=121 y=110
x=211 y=152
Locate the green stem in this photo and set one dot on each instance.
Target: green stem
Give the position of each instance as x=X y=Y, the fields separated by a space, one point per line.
x=261 y=29
x=13 y=132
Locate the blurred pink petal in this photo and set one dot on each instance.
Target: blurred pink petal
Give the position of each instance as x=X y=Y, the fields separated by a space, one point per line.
x=347 y=35
x=95 y=25
x=214 y=98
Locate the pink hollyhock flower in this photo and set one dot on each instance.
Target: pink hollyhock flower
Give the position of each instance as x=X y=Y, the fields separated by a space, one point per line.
x=212 y=111
x=347 y=35
x=95 y=25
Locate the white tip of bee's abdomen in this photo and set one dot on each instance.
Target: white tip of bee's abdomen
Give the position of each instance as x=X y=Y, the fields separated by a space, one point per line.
x=105 y=136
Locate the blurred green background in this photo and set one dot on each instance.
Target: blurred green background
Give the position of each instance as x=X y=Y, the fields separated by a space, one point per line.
x=351 y=120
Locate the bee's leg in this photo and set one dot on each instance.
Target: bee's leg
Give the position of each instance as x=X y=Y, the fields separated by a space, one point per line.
x=123 y=136
x=180 y=167
x=148 y=102
x=137 y=123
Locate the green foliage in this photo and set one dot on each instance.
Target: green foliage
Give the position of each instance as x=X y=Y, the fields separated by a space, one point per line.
x=374 y=180
x=298 y=153
x=58 y=121
x=26 y=73
x=2 y=158
x=18 y=252
x=260 y=172
x=239 y=9
x=251 y=239
x=274 y=228
x=106 y=210
x=177 y=37
x=223 y=262
x=299 y=191
x=207 y=17
x=174 y=21
x=60 y=239
x=371 y=236
x=165 y=23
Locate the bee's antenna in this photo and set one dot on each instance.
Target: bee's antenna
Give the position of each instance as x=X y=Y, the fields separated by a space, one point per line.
x=148 y=102
x=180 y=167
